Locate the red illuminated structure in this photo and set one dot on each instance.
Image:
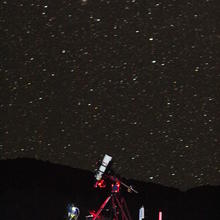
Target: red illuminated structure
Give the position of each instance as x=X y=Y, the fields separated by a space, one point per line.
x=119 y=206
x=101 y=183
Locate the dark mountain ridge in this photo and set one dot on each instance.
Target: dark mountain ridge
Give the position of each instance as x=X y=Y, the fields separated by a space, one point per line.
x=32 y=189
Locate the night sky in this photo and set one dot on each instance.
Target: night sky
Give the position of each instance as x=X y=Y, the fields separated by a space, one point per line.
x=139 y=80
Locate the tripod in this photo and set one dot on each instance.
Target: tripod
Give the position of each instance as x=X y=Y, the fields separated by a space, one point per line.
x=119 y=205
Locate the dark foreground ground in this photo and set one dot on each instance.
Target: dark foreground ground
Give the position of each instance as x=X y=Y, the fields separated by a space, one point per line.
x=31 y=189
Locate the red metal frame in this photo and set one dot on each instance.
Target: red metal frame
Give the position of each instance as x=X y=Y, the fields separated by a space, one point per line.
x=119 y=205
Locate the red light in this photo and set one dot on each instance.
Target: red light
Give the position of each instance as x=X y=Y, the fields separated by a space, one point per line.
x=160 y=215
x=92 y=212
x=116 y=187
x=101 y=184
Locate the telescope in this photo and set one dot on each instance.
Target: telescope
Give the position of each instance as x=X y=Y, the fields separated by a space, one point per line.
x=102 y=168
x=118 y=204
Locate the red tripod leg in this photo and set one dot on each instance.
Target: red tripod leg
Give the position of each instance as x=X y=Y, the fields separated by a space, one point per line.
x=123 y=214
x=114 y=206
x=102 y=207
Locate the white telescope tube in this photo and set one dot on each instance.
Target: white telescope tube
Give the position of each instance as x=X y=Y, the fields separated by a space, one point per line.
x=103 y=167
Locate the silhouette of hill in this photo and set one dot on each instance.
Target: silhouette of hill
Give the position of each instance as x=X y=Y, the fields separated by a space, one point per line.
x=32 y=189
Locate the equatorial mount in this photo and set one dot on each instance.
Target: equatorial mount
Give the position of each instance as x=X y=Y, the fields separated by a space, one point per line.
x=119 y=205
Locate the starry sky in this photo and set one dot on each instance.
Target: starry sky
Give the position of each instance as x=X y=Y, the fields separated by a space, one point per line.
x=139 y=80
